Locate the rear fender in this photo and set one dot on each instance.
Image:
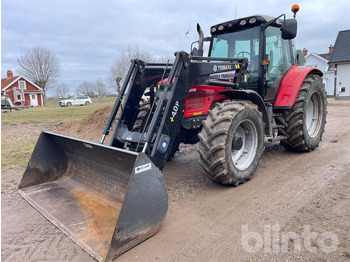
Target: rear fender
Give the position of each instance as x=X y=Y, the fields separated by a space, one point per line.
x=291 y=84
x=255 y=98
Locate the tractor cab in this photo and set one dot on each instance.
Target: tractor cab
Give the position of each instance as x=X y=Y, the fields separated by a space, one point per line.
x=267 y=44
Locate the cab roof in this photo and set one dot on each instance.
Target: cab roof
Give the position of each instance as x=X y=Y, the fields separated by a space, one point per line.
x=243 y=23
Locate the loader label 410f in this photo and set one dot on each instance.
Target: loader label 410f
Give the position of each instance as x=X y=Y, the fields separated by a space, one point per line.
x=174 y=112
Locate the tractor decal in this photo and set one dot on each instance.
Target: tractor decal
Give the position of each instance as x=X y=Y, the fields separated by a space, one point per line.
x=225 y=76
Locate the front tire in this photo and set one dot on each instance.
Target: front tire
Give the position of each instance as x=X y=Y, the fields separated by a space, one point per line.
x=140 y=122
x=307 y=118
x=231 y=142
x=69 y=104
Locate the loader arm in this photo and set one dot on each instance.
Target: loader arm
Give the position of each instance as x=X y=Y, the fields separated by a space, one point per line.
x=168 y=110
x=156 y=140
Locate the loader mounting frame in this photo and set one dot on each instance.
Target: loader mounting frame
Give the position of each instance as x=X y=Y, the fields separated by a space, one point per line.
x=167 y=109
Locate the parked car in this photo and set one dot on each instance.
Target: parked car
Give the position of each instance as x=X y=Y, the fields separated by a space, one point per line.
x=76 y=101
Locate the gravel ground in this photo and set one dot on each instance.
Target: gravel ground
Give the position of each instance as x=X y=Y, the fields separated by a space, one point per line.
x=296 y=207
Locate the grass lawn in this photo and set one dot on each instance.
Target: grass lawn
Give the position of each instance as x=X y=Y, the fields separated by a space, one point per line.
x=20 y=129
x=17 y=148
x=52 y=112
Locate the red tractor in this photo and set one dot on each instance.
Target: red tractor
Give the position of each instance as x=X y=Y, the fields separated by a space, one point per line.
x=247 y=89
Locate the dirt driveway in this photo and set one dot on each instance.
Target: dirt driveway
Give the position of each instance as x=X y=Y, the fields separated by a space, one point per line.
x=296 y=208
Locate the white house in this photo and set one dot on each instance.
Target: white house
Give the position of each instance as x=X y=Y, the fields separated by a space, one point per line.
x=316 y=60
x=321 y=61
x=340 y=60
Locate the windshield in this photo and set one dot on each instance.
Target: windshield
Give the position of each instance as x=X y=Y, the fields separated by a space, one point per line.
x=236 y=44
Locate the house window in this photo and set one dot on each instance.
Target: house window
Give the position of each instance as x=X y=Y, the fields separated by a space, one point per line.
x=22 y=84
x=33 y=96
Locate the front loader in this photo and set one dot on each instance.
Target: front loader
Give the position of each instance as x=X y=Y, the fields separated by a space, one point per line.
x=109 y=198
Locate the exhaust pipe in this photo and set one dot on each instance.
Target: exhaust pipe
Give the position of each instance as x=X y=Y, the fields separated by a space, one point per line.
x=200 y=40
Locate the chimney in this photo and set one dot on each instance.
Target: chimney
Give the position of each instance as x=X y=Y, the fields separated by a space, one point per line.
x=9 y=74
x=305 y=52
x=330 y=49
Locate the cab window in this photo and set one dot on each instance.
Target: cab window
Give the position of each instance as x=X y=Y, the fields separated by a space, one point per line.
x=236 y=44
x=240 y=44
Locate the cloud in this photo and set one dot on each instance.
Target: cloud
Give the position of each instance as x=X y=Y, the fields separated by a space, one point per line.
x=87 y=35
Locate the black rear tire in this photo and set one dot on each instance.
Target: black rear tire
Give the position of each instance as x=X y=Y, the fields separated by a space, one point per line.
x=307 y=118
x=231 y=142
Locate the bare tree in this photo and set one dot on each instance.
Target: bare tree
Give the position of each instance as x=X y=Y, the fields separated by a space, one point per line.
x=41 y=66
x=61 y=91
x=121 y=64
x=100 y=88
x=86 y=88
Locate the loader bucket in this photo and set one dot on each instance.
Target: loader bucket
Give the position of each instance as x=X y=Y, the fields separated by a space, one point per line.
x=107 y=200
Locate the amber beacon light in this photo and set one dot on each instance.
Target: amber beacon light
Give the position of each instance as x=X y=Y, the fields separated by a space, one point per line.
x=295 y=9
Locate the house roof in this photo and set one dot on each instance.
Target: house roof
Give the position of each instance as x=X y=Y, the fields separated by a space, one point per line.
x=7 y=82
x=318 y=56
x=325 y=56
x=341 y=50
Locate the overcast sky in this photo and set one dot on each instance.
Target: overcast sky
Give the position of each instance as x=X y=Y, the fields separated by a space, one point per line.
x=86 y=35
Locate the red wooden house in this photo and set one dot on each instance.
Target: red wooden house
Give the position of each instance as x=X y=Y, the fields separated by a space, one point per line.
x=21 y=91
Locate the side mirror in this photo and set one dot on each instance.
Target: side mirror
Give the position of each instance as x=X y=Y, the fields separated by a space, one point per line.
x=289 y=29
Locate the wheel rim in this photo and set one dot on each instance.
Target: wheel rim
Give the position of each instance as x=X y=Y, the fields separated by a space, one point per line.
x=247 y=135
x=313 y=117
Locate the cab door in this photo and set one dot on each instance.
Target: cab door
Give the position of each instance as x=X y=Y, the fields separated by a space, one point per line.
x=277 y=51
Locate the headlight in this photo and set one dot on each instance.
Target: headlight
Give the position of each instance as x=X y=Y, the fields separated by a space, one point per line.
x=221 y=27
x=252 y=20
x=213 y=29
